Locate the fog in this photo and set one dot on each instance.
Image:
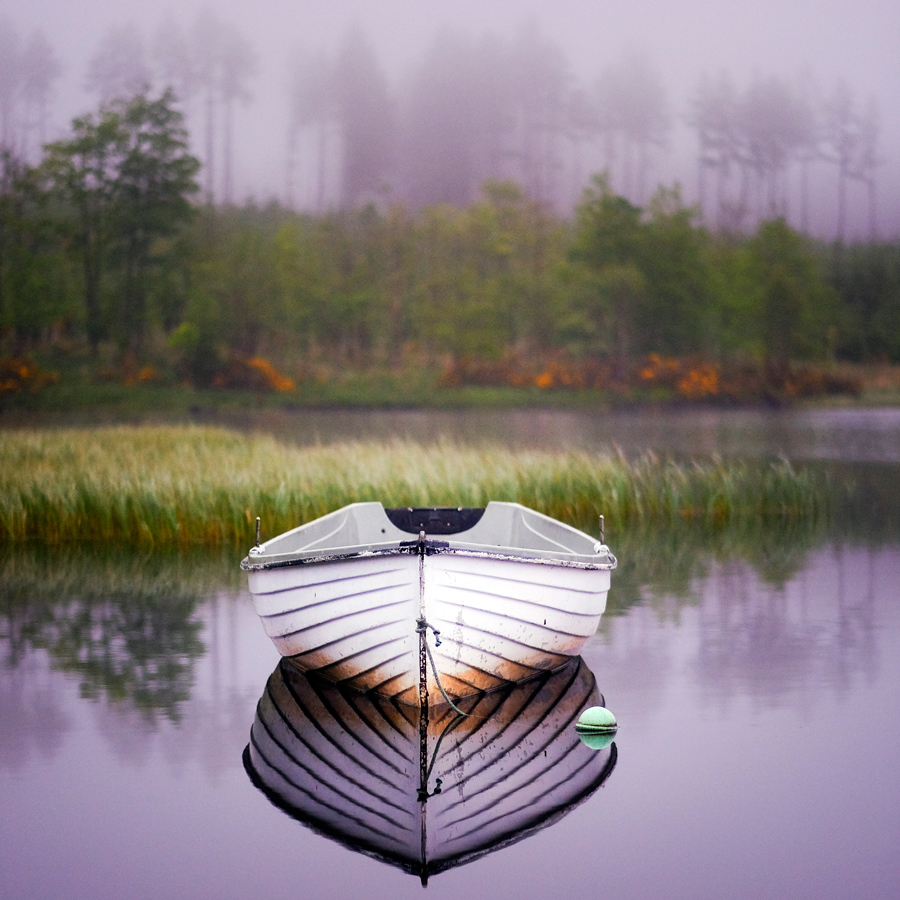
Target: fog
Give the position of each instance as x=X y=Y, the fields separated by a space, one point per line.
x=432 y=97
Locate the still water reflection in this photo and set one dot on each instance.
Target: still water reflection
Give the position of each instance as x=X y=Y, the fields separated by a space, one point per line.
x=754 y=677
x=859 y=435
x=430 y=794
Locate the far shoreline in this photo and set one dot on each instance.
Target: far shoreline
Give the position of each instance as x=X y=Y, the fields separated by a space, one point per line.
x=56 y=406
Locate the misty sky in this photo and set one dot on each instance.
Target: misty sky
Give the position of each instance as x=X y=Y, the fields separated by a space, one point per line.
x=833 y=39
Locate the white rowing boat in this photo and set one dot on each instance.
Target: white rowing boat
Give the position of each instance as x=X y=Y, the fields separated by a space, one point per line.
x=507 y=591
x=426 y=792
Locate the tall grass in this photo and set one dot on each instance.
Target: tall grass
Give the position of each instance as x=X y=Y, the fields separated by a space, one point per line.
x=189 y=485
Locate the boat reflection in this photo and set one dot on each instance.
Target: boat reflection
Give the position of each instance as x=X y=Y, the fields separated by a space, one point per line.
x=432 y=794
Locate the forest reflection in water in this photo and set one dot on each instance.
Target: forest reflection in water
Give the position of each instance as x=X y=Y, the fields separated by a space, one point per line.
x=720 y=648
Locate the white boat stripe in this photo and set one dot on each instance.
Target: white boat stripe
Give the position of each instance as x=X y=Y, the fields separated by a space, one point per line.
x=452 y=623
x=463 y=760
x=319 y=603
x=350 y=615
x=470 y=775
x=362 y=672
x=345 y=637
x=313 y=584
x=478 y=572
x=533 y=801
x=465 y=590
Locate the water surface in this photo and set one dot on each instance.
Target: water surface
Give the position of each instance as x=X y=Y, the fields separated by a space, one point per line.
x=754 y=674
x=756 y=755
x=860 y=435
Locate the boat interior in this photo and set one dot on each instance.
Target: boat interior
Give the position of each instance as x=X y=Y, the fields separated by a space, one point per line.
x=500 y=525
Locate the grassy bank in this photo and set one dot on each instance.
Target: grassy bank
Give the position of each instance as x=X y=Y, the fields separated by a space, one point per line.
x=67 y=391
x=168 y=486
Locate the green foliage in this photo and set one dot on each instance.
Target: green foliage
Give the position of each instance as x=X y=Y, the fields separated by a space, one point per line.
x=867 y=278
x=236 y=293
x=102 y=245
x=649 y=271
x=196 y=349
x=678 y=278
x=35 y=278
x=126 y=178
x=609 y=243
x=795 y=303
x=733 y=310
x=485 y=276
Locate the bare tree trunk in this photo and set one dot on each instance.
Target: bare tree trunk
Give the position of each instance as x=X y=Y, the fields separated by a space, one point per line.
x=577 y=168
x=842 y=204
x=290 y=168
x=804 y=195
x=701 y=185
x=323 y=157
x=629 y=165
x=210 y=142
x=740 y=208
x=228 y=106
x=42 y=122
x=643 y=164
x=91 y=294
x=784 y=203
x=609 y=153
x=720 y=193
x=873 y=218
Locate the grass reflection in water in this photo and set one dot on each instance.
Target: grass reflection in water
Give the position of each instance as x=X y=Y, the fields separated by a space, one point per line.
x=657 y=563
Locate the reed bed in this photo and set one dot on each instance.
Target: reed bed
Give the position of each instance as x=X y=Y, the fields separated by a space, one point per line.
x=168 y=486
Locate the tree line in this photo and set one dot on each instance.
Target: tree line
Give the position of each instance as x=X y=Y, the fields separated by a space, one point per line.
x=105 y=246
x=472 y=110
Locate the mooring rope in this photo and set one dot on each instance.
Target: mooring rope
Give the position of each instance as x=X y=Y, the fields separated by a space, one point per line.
x=423 y=791
x=422 y=628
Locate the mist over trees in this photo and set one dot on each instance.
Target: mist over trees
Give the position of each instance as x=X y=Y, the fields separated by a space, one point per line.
x=749 y=141
x=453 y=215
x=101 y=247
x=29 y=69
x=471 y=109
x=119 y=66
x=208 y=66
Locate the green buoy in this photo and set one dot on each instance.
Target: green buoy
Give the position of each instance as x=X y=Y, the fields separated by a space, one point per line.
x=596 y=740
x=596 y=727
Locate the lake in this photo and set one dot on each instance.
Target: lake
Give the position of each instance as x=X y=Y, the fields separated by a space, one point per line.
x=858 y=435
x=753 y=674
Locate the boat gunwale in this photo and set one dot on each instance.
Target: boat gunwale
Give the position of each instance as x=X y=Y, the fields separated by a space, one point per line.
x=432 y=548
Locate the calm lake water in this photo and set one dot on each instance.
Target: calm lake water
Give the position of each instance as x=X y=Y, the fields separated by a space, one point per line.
x=858 y=435
x=754 y=677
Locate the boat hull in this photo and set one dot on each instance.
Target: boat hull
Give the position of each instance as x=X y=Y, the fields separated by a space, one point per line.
x=501 y=618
